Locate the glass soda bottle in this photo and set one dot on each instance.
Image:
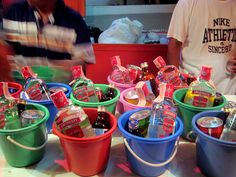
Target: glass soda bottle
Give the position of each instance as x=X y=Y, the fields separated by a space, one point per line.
x=83 y=88
x=71 y=120
x=163 y=114
x=9 y=118
x=229 y=130
x=34 y=88
x=101 y=124
x=168 y=73
x=149 y=77
x=201 y=93
x=110 y=93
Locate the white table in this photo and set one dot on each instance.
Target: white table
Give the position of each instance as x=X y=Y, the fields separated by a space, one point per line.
x=183 y=165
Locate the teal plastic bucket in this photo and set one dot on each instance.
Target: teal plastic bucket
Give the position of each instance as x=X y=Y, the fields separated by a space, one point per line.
x=187 y=112
x=49 y=104
x=149 y=156
x=110 y=105
x=25 y=146
x=215 y=157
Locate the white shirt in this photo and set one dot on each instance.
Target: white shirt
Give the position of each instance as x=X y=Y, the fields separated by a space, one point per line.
x=207 y=29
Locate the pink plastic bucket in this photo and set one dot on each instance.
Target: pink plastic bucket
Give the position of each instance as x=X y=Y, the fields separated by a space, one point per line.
x=120 y=87
x=128 y=106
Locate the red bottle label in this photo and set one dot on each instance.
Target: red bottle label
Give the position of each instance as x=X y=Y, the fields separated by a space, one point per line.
x=77 y=71
x=59 y=99
x=168 y=125
x=200 y=101
x=34 y=92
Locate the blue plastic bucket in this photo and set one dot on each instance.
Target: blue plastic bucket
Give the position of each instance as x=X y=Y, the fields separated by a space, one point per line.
x=49 y=104
x=148 y=156
x=215 y=157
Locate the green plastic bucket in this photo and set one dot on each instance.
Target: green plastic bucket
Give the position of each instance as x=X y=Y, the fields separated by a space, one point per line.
x=110 y=105
x=25 y=146
x=48 y=74
x=187 y=112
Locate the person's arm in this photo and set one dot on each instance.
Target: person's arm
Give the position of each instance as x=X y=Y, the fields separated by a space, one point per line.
x=173 y=52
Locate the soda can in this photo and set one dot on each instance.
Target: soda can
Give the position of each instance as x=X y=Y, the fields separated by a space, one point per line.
x=138 y=123
x=212 y=126
x=57 y=88
x=31 y=116
x=131 y=97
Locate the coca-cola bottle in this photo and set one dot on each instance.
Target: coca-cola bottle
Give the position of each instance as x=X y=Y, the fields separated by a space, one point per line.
x=83 y=88
x=34 y=88
x=71 y=120
x=109 y=94
x=9 y=118
x=163 y=114
x=149 y=78
x=201 y=93
x=101 y=124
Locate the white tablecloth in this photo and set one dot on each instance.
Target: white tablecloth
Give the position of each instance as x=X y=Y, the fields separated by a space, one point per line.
x=183 y=165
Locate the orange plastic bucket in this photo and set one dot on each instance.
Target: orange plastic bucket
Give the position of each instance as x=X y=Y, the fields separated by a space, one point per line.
x=87 y=156
x=16 y=87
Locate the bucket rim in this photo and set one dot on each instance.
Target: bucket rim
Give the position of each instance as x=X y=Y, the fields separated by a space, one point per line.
x=90 y=139
x=17 y=86
x=190 y=107
x=208 y=137
x=124 y=102
x=30 y=127
x=95 y=104
x=49 y=84
x=128 y=135
x=117 y=84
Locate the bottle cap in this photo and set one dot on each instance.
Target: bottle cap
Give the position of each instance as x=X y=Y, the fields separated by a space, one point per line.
x=59 y=99
x=77 y=71
x=159 y=62
x=205 y=73
x=169 y=90
x=27 y=72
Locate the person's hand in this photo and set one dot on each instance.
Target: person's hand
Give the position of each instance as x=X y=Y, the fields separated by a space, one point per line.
x=231 y=65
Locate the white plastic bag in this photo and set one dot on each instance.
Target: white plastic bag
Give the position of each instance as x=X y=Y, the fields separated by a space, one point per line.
x=122 y=31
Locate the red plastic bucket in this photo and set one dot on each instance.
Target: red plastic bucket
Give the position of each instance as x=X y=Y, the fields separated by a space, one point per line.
x=121 y=87
x=128 y=106
x=15 y=86
x=87 y=156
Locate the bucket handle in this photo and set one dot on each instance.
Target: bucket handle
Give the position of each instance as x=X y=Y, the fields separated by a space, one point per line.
x=26 y=147
x=148 y=163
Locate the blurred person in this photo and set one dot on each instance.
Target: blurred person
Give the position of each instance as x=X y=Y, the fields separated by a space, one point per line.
x=48 y=33
x=5 y=69
x=203 y=32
